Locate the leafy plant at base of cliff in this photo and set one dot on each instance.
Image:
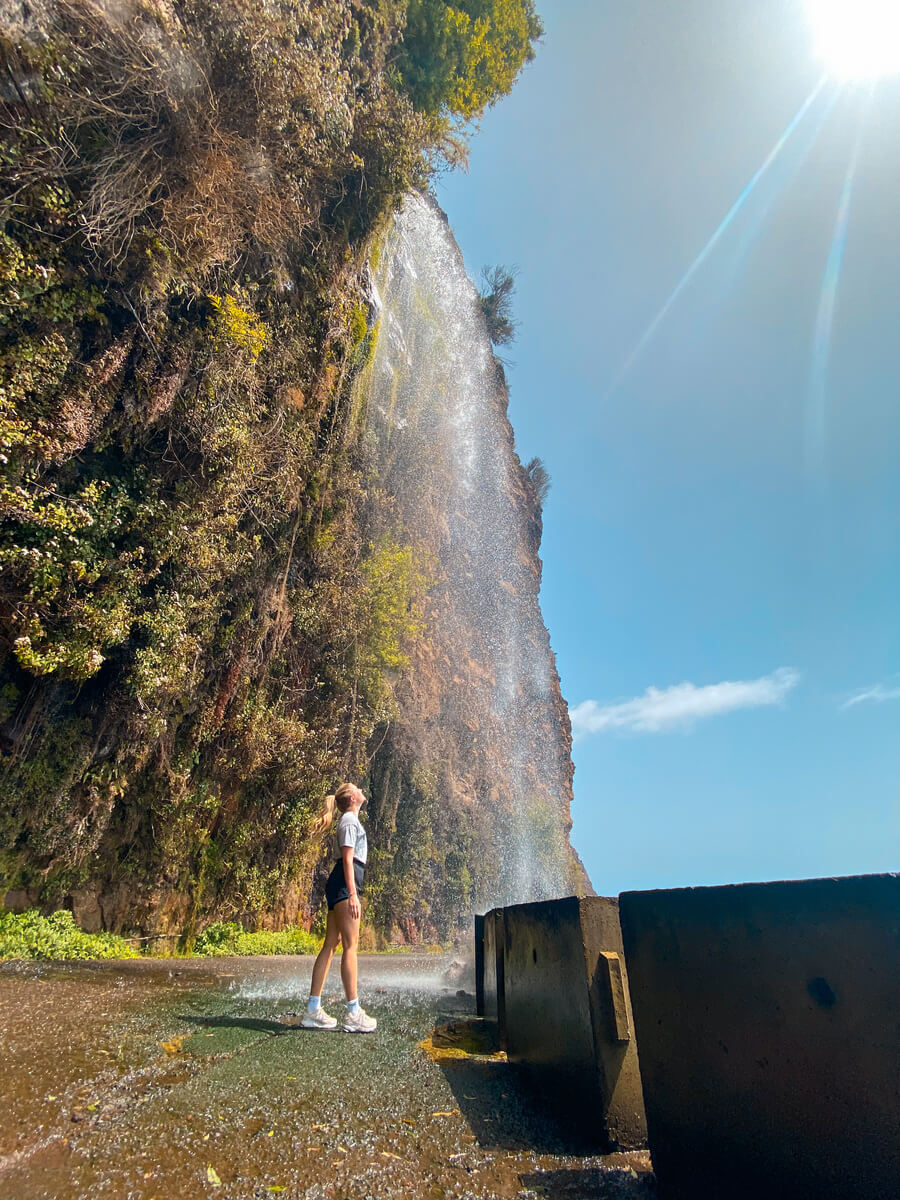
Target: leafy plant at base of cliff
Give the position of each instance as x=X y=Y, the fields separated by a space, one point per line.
x=226 y=937
x=30 y=935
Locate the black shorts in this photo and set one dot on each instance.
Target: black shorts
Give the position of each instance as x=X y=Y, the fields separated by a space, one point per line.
x=336 y=887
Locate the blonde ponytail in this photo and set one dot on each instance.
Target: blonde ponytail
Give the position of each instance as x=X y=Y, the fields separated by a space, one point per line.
x=341 y=799
x=325 y=817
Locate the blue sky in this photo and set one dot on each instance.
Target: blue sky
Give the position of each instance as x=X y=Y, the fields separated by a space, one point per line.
x=724 y=523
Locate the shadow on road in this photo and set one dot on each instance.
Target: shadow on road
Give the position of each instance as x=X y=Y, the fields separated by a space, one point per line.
x=254 y=1023
x=505 y=1107
x=598 y=1184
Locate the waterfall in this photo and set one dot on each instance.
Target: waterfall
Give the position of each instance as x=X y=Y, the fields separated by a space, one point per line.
x=436 y=416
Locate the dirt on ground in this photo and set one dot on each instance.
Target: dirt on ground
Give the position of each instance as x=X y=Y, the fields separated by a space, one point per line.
x=169 y=1079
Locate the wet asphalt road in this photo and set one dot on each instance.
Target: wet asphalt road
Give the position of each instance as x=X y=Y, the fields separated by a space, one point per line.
x=163 y=1079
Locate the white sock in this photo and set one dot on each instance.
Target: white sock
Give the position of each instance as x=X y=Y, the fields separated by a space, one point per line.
x=353 y=1007
x=313 y=1004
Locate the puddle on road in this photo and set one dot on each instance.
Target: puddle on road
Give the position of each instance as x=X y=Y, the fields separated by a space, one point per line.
x=165 y=1080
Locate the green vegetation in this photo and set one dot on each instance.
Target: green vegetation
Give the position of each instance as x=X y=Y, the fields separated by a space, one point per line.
x=461 y=58
x=239 y=327
x=498 y=288
x=32 y=936
x=205 y=602
x=396 y=584
x=225 y=937
x=29 y=935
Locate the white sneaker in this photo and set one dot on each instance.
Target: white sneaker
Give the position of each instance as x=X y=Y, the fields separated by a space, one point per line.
x=318 y=1020
x=359 y=1022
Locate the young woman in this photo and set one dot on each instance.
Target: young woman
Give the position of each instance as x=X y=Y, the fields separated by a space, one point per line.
x=342 y=891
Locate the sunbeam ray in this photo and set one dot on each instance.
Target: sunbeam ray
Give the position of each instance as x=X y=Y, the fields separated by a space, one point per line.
x=717 y=236
x=736 y=257
x=782 y=181
x=814 y=433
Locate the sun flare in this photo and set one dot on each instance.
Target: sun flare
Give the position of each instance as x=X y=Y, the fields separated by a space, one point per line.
x=857 y=39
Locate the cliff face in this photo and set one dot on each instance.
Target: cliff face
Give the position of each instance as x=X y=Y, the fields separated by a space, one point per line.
x=246 y=534
x=194 y=630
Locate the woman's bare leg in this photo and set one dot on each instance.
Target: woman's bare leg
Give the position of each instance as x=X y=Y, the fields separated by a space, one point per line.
x=349 y=927
x=325 y=955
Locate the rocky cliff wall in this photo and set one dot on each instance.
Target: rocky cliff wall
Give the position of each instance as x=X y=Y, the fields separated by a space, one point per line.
x=229 y=575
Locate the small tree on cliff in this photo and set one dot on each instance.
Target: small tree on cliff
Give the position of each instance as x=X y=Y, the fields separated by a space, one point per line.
x=539 y=478
x=495 y=301
x=458 y=59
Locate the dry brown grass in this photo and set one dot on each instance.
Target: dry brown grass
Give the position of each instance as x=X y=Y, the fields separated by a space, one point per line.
x=219 y=133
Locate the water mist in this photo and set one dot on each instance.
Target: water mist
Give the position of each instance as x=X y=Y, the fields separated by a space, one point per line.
x=498 y=729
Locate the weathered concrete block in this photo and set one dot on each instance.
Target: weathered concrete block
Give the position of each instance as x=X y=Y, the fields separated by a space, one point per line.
x=768 y=1017
x=494 y=974
x=568 y=1013
x=479 y=966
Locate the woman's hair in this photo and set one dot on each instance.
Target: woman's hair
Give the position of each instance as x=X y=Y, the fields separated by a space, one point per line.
x=342 y=798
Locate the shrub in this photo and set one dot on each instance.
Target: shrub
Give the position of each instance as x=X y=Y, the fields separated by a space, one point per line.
x=461 y=58
x=396 y=583
x=496 y=303
x=32 y=936
x=227 y=937
x=239 y=327
x=539 y=478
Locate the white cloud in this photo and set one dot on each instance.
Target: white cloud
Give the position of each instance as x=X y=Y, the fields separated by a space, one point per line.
x=662 y=709
x=878 y=693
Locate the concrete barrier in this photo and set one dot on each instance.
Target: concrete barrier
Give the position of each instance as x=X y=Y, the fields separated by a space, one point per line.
x=768 y=1017
x=479 y=966
x=494 y=975
x=568 y=1014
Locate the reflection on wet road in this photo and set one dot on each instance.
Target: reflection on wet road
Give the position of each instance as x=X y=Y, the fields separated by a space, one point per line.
x=177 y=1078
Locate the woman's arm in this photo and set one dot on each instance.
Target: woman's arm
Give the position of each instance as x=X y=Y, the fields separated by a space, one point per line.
x=350 y=880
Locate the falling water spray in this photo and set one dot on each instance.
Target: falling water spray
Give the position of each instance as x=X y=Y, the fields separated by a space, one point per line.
x=436 y=411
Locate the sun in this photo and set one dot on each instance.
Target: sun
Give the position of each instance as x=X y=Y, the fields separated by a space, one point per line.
x=857 y=39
